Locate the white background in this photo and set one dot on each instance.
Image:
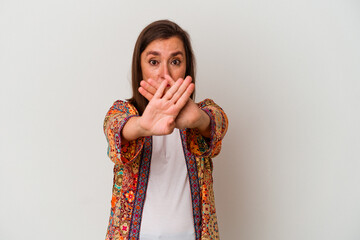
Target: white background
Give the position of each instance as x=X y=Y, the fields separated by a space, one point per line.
x=286 y=73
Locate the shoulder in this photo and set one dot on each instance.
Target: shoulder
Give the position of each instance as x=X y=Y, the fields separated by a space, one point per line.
x=124 y=106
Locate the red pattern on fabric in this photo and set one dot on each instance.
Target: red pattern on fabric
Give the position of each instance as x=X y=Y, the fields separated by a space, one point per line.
x=127 y=167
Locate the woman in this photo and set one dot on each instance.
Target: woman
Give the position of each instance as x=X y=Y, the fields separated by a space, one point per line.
x=171 y=198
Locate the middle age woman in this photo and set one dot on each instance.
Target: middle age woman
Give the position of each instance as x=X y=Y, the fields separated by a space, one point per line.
x=162 y=144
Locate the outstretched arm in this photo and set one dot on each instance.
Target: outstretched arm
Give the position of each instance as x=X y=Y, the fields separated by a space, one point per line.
x=161 y=112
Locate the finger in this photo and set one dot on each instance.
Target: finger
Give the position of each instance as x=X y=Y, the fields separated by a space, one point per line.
x=189 y=77
x=153 y=83
x=169 y=78
x=160 y=91
x=148 y=87
x=185 y=96
x=173 y=90
x=145 y=93
x=181 y=89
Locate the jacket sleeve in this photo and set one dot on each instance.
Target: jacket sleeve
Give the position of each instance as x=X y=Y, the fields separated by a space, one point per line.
x=115 y=119
x=208 y=147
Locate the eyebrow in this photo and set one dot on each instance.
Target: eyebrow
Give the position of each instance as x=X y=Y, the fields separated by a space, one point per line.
x=158 y=54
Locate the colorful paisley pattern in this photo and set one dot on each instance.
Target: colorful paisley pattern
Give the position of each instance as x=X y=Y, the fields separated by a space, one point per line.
x=131 y=172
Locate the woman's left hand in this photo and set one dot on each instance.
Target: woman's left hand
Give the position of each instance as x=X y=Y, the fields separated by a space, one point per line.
x=190 y=116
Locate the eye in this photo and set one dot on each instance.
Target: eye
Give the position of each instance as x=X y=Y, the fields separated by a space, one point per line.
x=153 y=62
x=176 y=62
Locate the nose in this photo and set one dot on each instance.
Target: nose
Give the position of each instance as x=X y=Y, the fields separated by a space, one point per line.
x=164 y=70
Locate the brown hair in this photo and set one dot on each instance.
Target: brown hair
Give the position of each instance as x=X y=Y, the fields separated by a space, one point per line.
x=162 y=29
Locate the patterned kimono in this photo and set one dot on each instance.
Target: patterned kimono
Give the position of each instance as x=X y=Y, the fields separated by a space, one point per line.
x=132 y=165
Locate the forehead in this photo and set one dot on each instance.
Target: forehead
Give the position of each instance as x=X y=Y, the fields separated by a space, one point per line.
x=163 y=46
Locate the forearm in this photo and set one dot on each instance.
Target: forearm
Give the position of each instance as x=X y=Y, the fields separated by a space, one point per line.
x=132 y=130
x=208 y=145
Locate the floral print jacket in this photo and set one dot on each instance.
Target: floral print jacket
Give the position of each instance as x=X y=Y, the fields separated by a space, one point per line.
x=132 y=165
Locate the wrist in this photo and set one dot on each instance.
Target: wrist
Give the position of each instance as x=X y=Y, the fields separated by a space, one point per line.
x=141 y=130
x=132 y=130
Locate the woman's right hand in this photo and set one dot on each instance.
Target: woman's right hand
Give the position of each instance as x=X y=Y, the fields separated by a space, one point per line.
x=159 y=115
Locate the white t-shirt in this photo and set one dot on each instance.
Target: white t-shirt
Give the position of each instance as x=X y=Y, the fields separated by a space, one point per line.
x=167 y=212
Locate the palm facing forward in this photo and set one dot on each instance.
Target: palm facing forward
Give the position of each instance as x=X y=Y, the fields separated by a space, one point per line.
x=161 y=114
x=187 y=116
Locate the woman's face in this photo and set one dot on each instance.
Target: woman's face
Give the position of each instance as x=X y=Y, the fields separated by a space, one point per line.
x=164 y=57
